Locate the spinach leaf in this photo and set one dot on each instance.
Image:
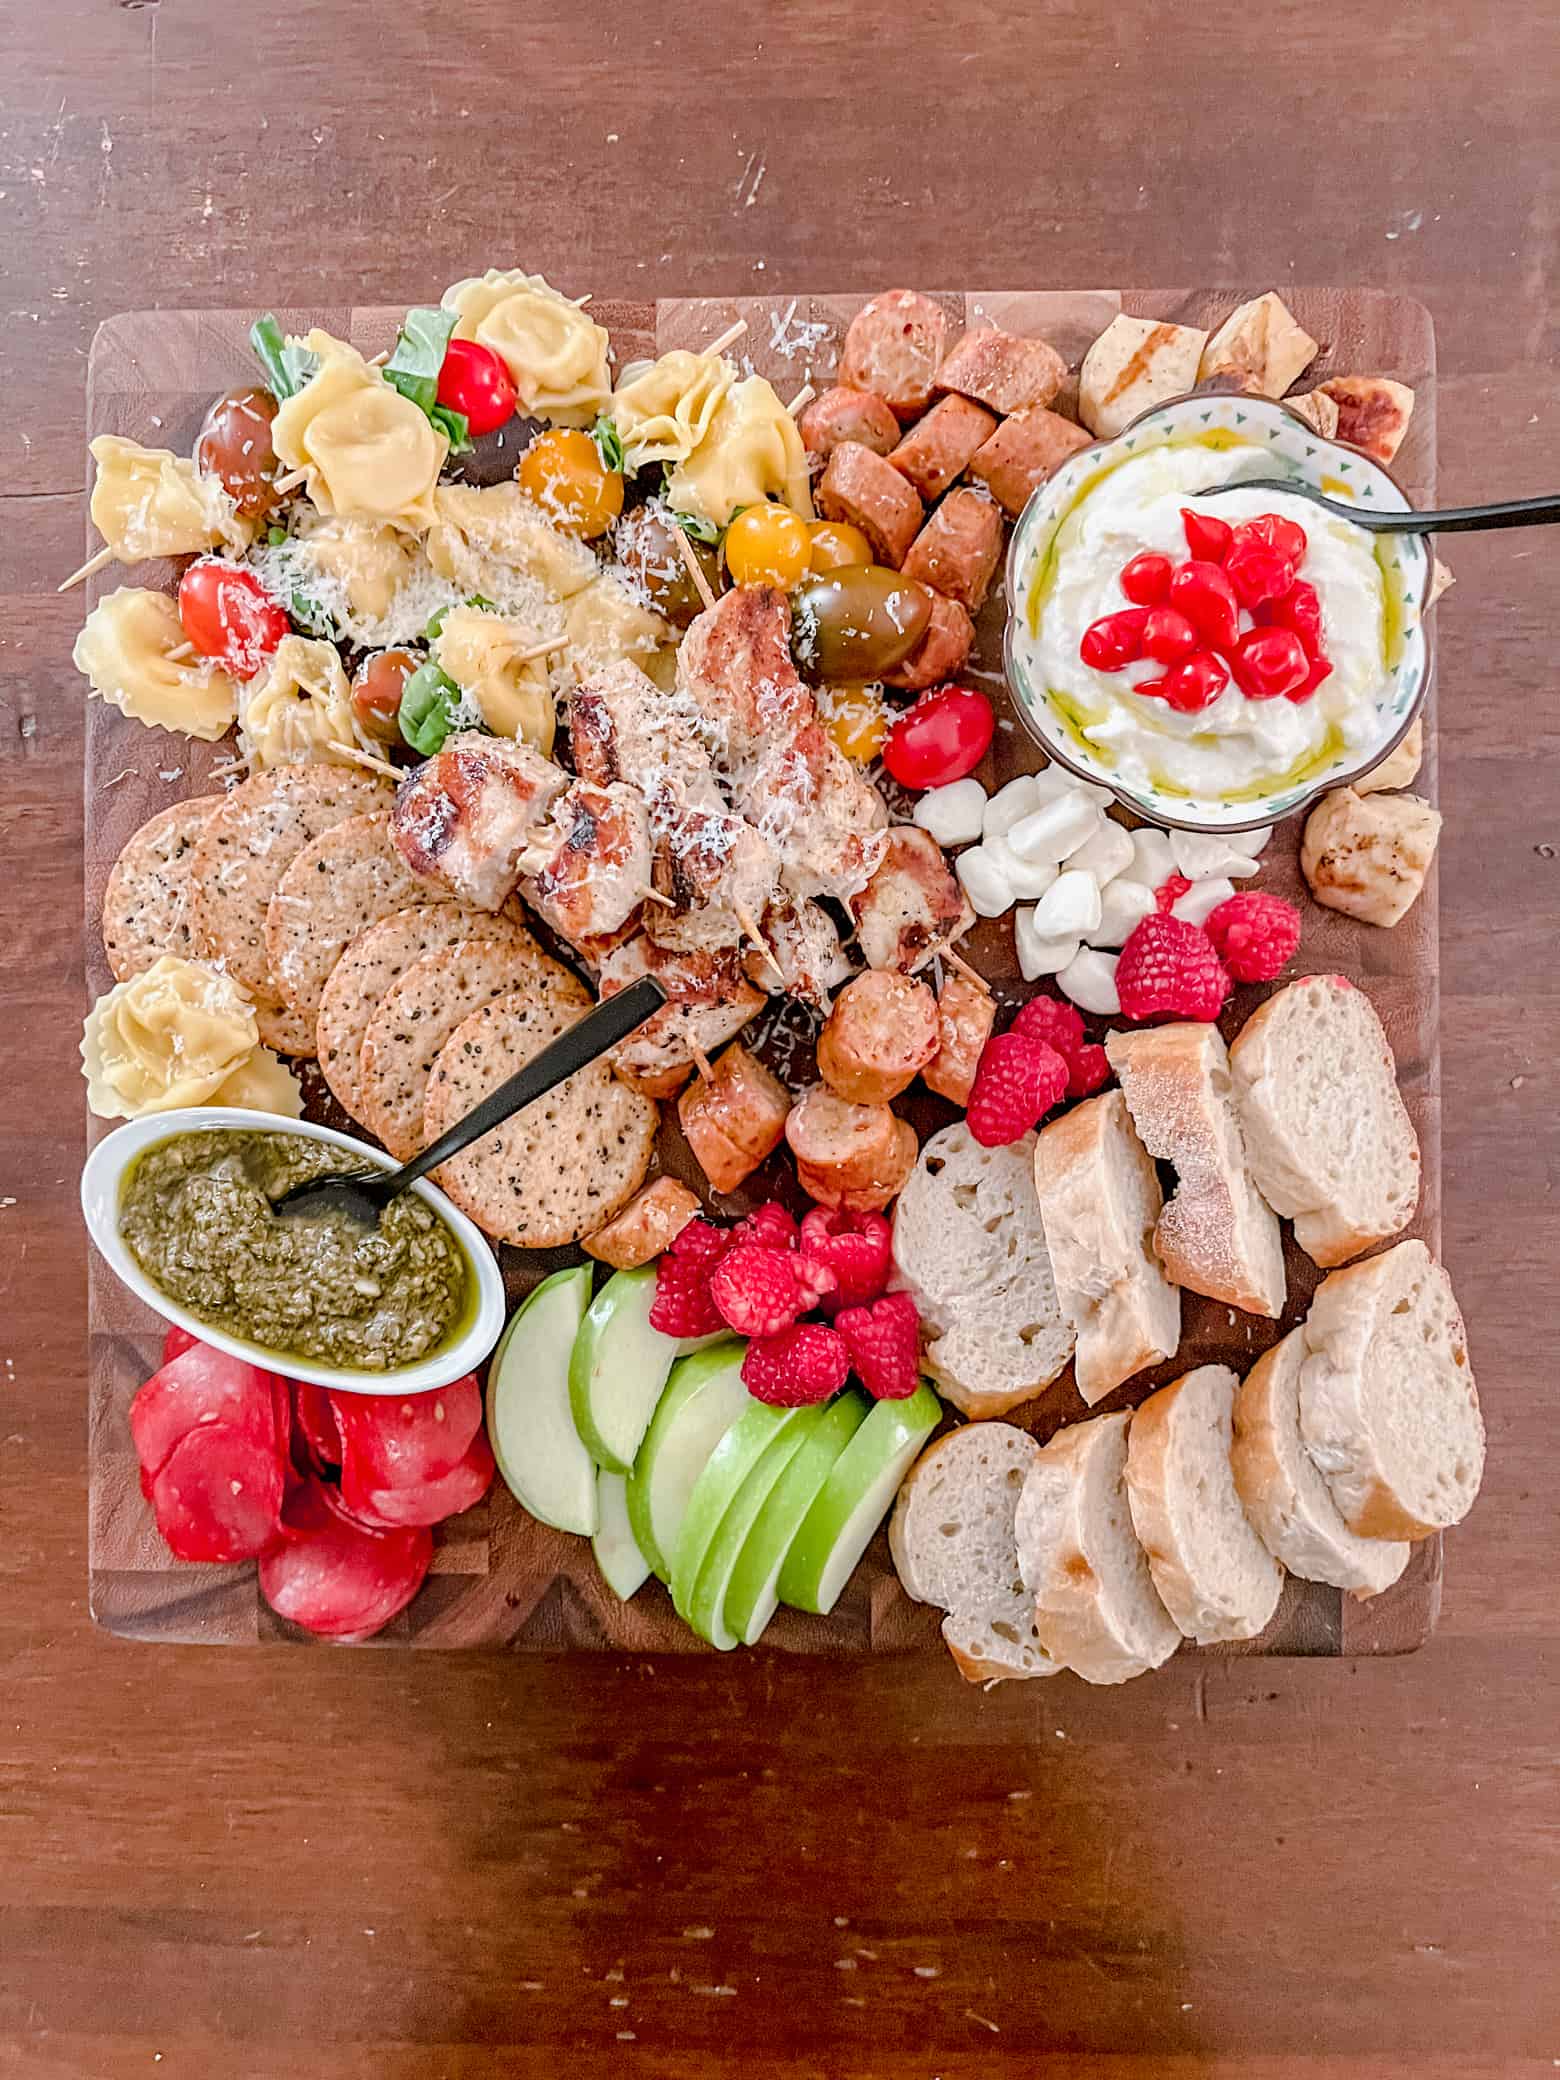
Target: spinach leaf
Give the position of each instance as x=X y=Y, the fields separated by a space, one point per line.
x=427 y=701
x=288 y=364
x=419 y=354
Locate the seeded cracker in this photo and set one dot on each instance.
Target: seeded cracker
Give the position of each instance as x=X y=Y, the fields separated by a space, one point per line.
x=146 y=905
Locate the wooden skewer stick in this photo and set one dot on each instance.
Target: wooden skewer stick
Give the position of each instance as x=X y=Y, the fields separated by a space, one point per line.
x=289 y=483
x=539 y=650
x=728 y=338
x=183 y=651
x=380 y=358
x=803 y=397
x=92 y=565
x=957 y=960
x=701 y=1062
x=367 y=758
x=654 y=895
x=745 y=919
x=695 y=568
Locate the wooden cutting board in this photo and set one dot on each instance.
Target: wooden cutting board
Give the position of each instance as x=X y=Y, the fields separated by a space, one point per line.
x=499 y=1579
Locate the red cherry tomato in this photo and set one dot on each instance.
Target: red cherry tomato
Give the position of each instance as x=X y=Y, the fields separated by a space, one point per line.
x=1168 y=637
x=1300 y=608
x=941 y=739
x=1268 y=662
x=177 y=1342
x=1208 y=538
x=1319 y=671
x=1275 y=532
x=1257 y=572
x=1146 y=579
x=1204 y=595
x=473 y=380
x=229 y=616
x=1115 y=640
x=1197 y=684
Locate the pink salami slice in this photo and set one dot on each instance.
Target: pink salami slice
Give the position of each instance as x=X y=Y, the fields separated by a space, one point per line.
x=429 y=1502
x=218 y=1495
x=405 y=1440
x=337 y=1578
x=201 y=1386
x=314 y=1428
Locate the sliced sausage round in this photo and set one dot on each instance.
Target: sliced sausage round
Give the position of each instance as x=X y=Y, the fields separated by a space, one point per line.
x=893 y=346
x=859 y=486
x=959 y=548
x=938 y=448
x=650 y=1223
x=842 y=414
x=884 y=1186
x=734 y=1118
x=880 y=1033
x=949 y=638
x=965 y=1016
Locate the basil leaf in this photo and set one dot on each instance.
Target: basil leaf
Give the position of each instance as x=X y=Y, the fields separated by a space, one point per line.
x=419 y=354
x=287 y=364
x=427 y=700
x=275 y=536
x=454 y=425
x=435 y=627
x=310 y=617
x=609 y=443
x=695 y=527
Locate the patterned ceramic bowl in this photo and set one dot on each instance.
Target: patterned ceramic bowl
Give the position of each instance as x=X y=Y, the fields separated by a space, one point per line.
x=1280 y=445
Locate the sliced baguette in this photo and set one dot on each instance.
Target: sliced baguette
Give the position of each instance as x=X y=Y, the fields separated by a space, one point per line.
x=1099 y=1202
x=1388 y=1406
x=1285 y=1494
x=969 y=1246
x=952 y=1539
x=1217 y=1235
x=1214 y=1575
x=1329 y=1141
x=1097 y=1611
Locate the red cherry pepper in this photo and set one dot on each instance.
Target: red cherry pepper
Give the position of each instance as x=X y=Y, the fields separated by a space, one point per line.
x=1168 y=637
x=1115 y=640
x=1203 y=594
x=1269 y=662
x=1195 y=685
x=1208 y=538
x=1275 y=532
x=1257 y=572
x=1146 y=579
x=1319 y=671
x=1300 y=609
x=941 y=739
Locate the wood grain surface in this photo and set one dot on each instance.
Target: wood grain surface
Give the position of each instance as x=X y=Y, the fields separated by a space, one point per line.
x=390 y=1867
x=500 y=1578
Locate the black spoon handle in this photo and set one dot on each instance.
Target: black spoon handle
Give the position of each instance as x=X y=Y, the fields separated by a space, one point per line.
x=1510 y=512
x=600 y=1029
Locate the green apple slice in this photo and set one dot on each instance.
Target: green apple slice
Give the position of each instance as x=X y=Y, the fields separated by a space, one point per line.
x=752 y=1593
x=704 y=1396
x=717 y=1488
x=854 y=1500
x=530 y=1426
x=618 y=1368
x=624 y=1568
x=706 y=1609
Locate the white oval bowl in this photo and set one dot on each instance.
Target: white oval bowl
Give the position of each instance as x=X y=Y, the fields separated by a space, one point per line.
x=102 y=1181
x=1296 y=450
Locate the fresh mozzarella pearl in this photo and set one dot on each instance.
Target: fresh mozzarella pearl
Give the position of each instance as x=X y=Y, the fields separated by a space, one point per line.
x=983 y=881
x=1123 y=905
x=1055 y=829
x=1011 y=804
x=952 y=815
x=1038 y=956
x=1089 y=978
x=1027 y=878
x=1070 y=907
x=1202 y=899
x=1104 y=855
x=1198 y=854
x=1151 y=860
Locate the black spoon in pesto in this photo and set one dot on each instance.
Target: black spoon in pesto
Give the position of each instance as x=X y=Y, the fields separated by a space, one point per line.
x=362 y=1195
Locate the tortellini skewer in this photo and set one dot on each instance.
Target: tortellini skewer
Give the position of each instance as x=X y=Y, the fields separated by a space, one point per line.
x=555 y=354
x=368 y=451
x=126 y=651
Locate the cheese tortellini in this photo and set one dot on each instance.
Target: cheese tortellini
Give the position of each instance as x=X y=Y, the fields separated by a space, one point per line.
x=150 y=502
x=180 y=1033
x=126 y=649
x=299 y=710
x=484 y=654
x=369 y=451
x=663 y=411
x=606 y=624
x=482 y=540
x=751 y=451
x=368 y=559
x=555 y=354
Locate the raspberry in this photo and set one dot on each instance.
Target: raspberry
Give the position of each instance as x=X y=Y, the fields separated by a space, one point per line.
x=682 y=1305
x=1169 y=965
x=1046 y=1018
x=856 y=1247
x=768 y=1224
x=701 y=1242
x=884 y=1341
x=761 y=1291
x=799 y=1366
x=1016 y=1084
x=1169 y=892
x=1254 y=934
x=1087 y=1072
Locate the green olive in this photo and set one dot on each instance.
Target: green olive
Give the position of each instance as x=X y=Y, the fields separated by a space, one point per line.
x=646 y=544
x=857 y=623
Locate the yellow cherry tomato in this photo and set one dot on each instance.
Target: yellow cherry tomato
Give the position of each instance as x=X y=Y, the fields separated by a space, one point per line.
x=835 y=543
x=563 y=473
x=856 y=718
x=767 y=545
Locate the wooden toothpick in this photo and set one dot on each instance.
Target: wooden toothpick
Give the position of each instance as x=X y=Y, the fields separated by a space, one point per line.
x=745 y=919
x=803 y=397
x=701 y=1062
x=92 y=565
x=728 y=338
x=178 y=655
x=289 y=483
x=957 y=960
x=539 y=650
x=694 y=567
x=654 y=895
x=367 y=758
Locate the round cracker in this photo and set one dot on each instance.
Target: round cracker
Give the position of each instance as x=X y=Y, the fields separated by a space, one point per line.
x=247 y=846
x=564 y=1165
x=407 y=1033
x=366 y=975
x=348 y=878
x=146 y=905
x=288 y=1031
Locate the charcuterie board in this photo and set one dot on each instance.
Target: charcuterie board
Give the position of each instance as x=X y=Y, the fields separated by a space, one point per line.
x=499 y=1579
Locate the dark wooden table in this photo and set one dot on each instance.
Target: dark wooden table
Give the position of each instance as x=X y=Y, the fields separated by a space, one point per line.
x=266 y=1863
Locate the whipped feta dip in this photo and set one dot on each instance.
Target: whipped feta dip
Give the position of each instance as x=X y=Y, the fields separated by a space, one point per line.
x=1237 y=746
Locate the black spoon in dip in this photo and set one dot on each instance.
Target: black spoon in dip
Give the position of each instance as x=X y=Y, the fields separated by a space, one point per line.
x=1512 y=512
x=362 y=1195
